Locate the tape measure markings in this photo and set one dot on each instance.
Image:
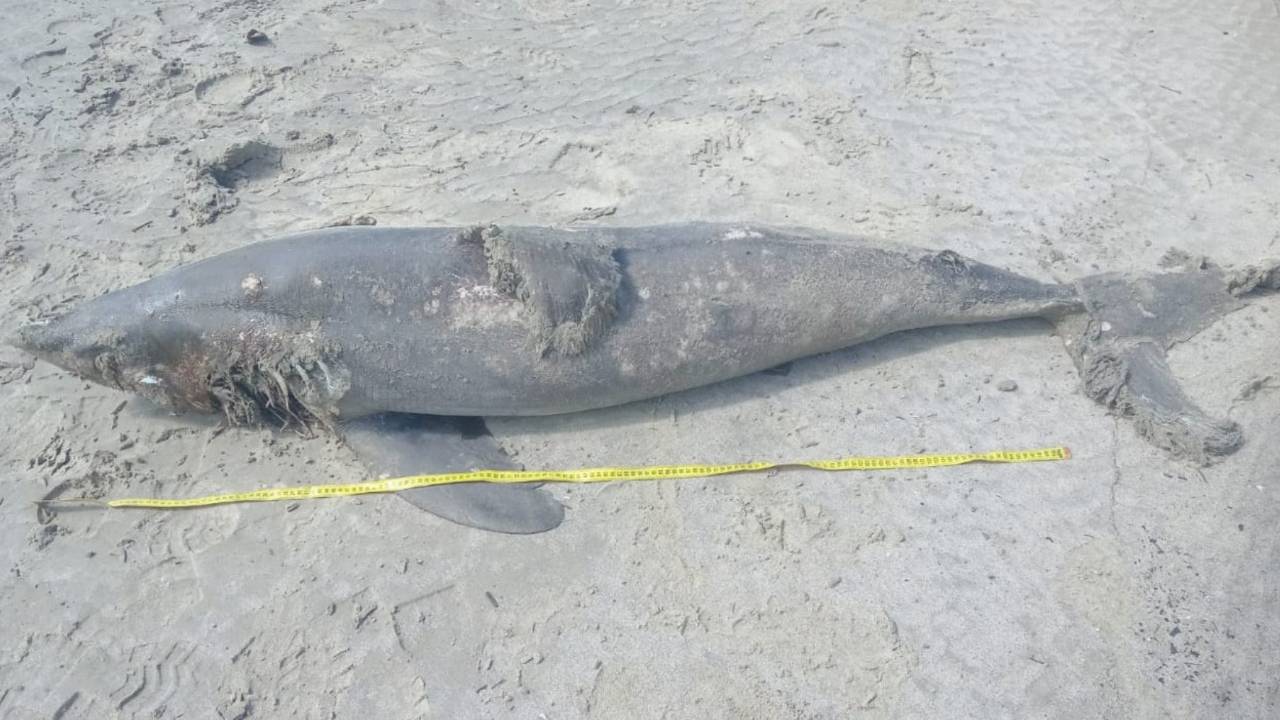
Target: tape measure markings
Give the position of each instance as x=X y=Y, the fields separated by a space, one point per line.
x=592 y=475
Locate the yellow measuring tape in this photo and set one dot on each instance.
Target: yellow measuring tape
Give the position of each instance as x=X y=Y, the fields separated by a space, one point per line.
x=593 y=475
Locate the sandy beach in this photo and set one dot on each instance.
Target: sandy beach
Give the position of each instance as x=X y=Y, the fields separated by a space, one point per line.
x=1057 y=139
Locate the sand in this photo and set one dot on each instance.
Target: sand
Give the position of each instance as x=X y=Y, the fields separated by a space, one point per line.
x=1054 y=138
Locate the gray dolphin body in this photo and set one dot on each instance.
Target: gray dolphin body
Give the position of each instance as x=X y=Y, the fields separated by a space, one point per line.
x=343 y=326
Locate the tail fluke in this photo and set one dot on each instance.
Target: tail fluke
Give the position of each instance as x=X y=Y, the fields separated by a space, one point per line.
x=1119 y=345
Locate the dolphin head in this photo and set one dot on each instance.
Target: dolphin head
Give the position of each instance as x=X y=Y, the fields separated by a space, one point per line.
x=122 y=340
x=200 y=339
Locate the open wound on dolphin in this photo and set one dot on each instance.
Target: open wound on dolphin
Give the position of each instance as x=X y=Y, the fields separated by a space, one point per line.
x=568 y=289
x=261 y=376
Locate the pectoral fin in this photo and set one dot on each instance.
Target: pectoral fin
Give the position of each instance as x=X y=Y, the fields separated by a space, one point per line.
x=399 y=444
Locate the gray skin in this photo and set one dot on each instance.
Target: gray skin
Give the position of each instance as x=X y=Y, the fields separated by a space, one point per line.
x=328 y=326
x=411 y=318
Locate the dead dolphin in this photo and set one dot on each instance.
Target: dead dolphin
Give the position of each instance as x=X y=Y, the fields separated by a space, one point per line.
x=353 y=327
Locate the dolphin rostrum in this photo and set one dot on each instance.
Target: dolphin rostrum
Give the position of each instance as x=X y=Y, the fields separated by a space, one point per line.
x=389 y=335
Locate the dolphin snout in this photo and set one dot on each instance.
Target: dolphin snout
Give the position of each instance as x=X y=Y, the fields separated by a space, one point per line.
x=40 y=338
x=63 y=342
